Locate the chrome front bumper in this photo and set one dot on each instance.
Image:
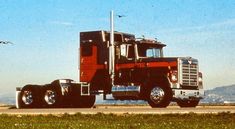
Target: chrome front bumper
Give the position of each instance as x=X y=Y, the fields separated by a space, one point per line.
x=187 y=94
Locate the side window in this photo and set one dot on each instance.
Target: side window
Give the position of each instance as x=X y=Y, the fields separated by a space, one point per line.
x=131 y=52
x=86 y=49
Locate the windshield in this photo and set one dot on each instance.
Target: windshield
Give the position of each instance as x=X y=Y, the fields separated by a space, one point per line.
x=153 y=52
x=149 y=52
x=130 y=51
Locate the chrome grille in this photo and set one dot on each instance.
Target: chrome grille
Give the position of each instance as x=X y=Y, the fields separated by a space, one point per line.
x=189 y=74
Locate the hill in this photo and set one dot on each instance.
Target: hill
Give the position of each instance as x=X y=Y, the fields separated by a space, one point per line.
x=223 y=94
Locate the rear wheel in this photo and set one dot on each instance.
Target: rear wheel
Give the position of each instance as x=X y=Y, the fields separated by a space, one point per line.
x=159 y=96
x=28 y=97
x=51 y=98
x=188 y=103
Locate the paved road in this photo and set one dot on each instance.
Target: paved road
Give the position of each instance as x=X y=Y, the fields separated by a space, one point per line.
x=120 y=110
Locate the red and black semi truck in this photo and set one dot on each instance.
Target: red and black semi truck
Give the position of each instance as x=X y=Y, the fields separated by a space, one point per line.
x=117 y=63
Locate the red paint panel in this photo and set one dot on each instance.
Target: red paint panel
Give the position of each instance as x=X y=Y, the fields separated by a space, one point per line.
x=89 y=66
x=148 y=65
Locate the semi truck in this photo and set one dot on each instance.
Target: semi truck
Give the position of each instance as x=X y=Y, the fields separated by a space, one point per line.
x=139 y=72
x=126 y=67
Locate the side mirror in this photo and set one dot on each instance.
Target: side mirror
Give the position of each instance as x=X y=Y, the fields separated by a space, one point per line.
x=123 y=49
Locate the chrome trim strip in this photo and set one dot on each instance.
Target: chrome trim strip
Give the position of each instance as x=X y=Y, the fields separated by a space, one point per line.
x=119 y=90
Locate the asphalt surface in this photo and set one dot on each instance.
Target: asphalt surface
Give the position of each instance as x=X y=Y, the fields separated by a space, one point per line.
x=120 y=110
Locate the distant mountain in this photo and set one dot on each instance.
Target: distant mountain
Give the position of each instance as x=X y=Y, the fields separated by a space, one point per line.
x=7 y=98
x=223 y=94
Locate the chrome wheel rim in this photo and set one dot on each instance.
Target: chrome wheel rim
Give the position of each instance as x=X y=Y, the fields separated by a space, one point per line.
x=157 y=94
x=50 y=97
x=27 y=97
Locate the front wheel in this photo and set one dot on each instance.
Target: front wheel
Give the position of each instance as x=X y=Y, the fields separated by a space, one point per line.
x=188 y=103
x=159 y=96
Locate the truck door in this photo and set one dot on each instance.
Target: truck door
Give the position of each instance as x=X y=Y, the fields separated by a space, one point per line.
x=125 y=64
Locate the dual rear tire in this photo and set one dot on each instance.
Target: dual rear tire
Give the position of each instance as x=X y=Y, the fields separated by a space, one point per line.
x=32 y=96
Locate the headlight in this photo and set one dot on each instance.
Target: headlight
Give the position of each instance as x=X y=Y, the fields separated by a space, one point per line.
x=174 y=77
x=199 y=79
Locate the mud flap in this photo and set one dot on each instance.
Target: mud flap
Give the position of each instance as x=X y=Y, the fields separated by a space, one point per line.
x=18 y=103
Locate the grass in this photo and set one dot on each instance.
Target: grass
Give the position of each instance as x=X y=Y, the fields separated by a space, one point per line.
x=125 y=121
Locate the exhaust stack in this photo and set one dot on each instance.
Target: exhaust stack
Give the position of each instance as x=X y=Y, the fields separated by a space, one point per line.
x=111 y=50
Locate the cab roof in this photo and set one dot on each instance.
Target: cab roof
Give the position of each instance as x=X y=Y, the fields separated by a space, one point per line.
x=150 y=42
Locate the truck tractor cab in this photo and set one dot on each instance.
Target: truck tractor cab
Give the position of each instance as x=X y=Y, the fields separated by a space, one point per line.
x=141 y=66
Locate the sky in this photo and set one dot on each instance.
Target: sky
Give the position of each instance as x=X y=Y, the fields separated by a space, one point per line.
x=45 y=35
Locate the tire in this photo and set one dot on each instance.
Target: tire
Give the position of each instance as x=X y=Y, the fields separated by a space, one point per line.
x=159 y=96
x=51 y=97
x=29 y=97
x=188 y=103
